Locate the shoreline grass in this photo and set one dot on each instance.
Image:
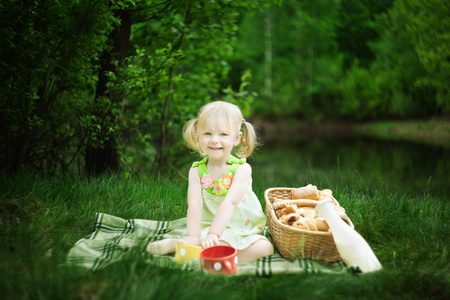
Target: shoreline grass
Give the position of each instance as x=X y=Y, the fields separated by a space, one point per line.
x=432 y=132
x=41 y=219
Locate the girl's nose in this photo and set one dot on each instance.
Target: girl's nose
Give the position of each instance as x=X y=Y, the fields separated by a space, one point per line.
x=214 y=138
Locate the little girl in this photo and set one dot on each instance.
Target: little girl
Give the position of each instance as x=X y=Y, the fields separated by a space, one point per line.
x=222 y=207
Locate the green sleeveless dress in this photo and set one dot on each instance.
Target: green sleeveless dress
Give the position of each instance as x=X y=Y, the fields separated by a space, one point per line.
x=248 y=219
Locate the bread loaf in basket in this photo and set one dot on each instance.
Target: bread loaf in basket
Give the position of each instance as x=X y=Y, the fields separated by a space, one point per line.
x=297 y=241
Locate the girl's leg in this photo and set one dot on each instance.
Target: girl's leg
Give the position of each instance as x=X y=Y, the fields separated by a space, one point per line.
x=162 y=247
x=258 y=249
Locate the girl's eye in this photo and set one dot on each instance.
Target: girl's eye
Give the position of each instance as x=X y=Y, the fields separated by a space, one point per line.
x=224 y=134
x=207 y=133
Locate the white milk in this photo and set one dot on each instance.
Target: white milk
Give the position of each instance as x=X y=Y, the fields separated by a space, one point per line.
x=352 y=247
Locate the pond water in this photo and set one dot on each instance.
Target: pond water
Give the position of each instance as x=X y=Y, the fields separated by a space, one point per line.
x=368 y=163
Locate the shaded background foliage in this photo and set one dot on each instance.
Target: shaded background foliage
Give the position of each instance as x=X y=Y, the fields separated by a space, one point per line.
x=357 y=60
x=92 y=86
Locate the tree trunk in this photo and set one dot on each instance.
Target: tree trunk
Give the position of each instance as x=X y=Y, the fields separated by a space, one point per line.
x=310 y=71
x=299 y=79
x=161 y=159
x=100 y=159
x=268 y=54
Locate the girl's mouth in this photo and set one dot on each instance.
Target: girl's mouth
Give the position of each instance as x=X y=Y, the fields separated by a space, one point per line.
x=215 y=148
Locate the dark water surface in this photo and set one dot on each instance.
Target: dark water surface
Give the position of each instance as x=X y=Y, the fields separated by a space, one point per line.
x=366 y=163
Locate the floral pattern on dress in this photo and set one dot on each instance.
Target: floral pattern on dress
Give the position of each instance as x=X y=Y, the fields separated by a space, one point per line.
x=208 y=181
x=217 y=189
x=227 y=179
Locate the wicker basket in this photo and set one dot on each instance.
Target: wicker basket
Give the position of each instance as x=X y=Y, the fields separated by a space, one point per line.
x=298 y=243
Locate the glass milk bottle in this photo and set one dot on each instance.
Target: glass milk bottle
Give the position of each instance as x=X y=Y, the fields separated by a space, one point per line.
x=352 y=247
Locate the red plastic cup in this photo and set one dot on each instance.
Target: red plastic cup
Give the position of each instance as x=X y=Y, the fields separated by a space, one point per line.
x=219 y=260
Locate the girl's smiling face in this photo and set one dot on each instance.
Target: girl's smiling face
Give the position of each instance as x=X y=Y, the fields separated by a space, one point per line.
x=217 y=139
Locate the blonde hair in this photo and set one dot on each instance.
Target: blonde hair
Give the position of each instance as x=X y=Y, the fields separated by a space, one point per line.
x=225 y=115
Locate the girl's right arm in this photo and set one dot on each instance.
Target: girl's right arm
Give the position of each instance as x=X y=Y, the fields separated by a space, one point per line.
x=195 y=206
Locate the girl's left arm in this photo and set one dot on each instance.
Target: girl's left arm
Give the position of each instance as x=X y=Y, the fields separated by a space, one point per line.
x=236 y=193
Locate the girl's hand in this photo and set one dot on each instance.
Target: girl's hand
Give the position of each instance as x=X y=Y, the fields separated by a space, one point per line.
x=210 y=240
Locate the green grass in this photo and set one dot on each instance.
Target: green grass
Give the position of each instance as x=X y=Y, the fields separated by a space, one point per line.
x=42 y=218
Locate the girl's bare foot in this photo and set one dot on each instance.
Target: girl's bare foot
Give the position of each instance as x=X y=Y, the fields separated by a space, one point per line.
x=162 y=247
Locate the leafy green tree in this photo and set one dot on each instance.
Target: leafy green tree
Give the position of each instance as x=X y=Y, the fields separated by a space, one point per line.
x=303 y=61
x=410 y=74
x=347 y=59
x=179 y=63
x=48 y=49
x=428 y=23
x=355 y=30
x=85 y=84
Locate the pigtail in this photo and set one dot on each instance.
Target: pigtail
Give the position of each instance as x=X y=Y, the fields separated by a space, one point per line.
x=190 y=135
x=248 y=140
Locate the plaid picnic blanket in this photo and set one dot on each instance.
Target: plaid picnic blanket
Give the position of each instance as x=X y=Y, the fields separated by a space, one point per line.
x=112 y=237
